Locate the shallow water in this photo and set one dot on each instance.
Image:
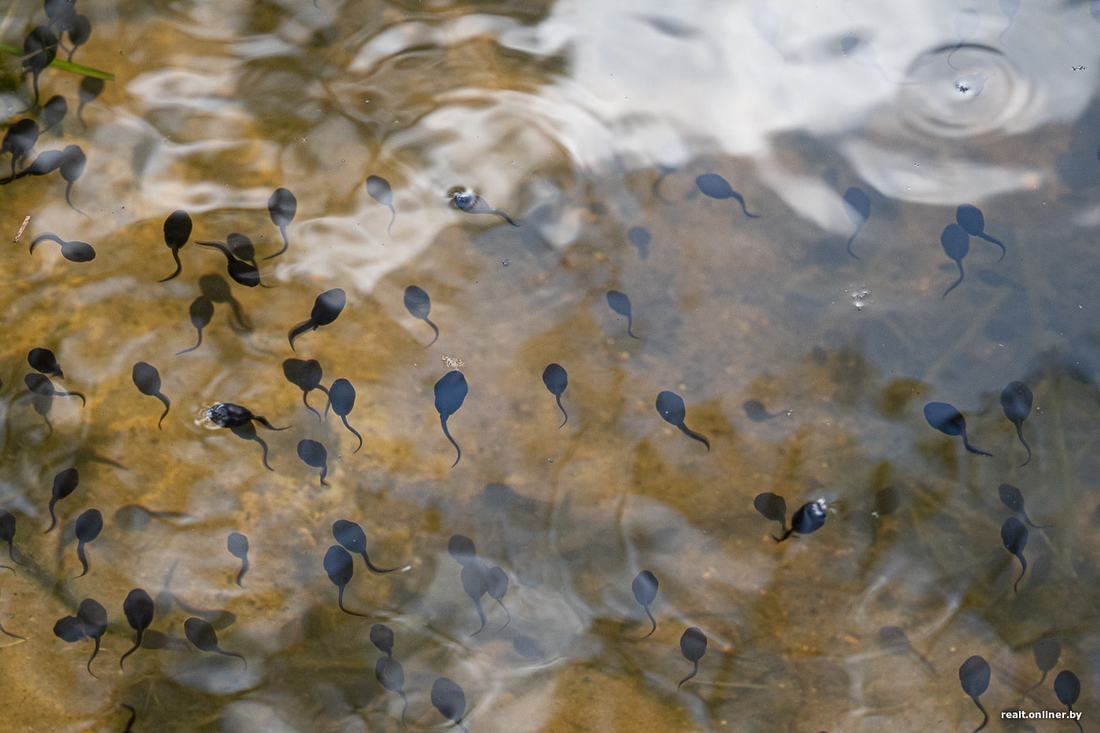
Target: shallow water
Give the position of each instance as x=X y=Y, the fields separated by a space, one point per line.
x=582 y=120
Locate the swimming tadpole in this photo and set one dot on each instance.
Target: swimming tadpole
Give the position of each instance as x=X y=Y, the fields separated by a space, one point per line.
x=1013 y=498
x=772 y=507
x=450 y=393
x=201 y=312
x=806 y=519
x=202 y=634
x=644 y=588
x=215 y=288
x=462 y=549
x=974 y=677
x=670 y=406
x=339 y=568
x=72 y=251
x=43 y=361
x=956 y=244
x=53 y=112
x=18 y=141
x=7 y=535
x=757 y=412
x=326 y=309
x=90 y=89
x=341 y=397
x=88 y=526
x=619 y=303
x=71 y=168
x=43 y=164
x=39 y=385
x=693 y=645
x=949 y=421
x=1016 y=400
x=1045 y=652
x=147 y=380
x=1014 y=538
x=469 y=202
x=240 y=271
x=971 y=219
x=380 y=190
x=39 y=51
x=475 y=584
x=447 y=697
x=177 y=230
x=391 y=676
x=314 y=455
x=93 y=622
x=640 y=239
x=419 y=306
x=353 y=539
x=306 y=375
x=715 y=186
x=496 y=584
x=64 y=484
x=237 y=545
x=79 y=31
x=281 y=207
x=382 y=638
x=556 y=380
x=1068 y=688
x=229 y=415
x=139 y=609
x=859 y=211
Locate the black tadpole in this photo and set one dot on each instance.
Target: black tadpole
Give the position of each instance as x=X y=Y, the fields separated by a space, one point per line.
x=240 y=271
x=7 y=534
x=1016 y=401
x=64 y=484
x=715 y=186
x=382 y=638
x=1013 y=498
x=139 y=610
x=72 y=251
x=71 y=168
x=79 y=30
x=43 y=361
x=556 y=380
x=314 y=455
x=306 y=376
x=670 y=406
x=201 y=633
x=1014 y=538
x=40 y=384
x=475 y=584
x=956 y=244
x=53 y=112
x=339 y=568
x=201 y=312
x=341 y=398
x=326 y=308
x=620 y=304
x=281 y=207
x=229 y=415
x=39 y=51
x=391 y=676
x=177 y=230
x=448 y=698
x=93 y=621
x=19 y=140
x=450 y=393
x=645 y=592
x=949 y=421
x=971 y=219
x=693 y=645
x=237 y=544
x=974 y=677
x=88 y=526
x=352 y=537
x=419 y=306
x=466 y=200
x=147 y=380
x=1068 y=688
x=90 y=89
x=1046 y=653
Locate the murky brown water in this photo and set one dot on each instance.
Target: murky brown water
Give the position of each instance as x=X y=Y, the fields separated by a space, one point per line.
x=581 y=120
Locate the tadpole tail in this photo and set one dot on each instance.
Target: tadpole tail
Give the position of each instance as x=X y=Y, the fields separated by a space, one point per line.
x=133 y=716
x=1026 y=519
x=263 y=446
x=305 y=401
x=1023 y=569
x=324 y=472
x=49 y=425
x=786 y=533
x=1042 y=678
x=167 y=406
x=131 y=650
x=62 y=393
x=852 y=238
x=1077 y=722
x=298 y=330
x=630 y=327
x=504 y=216
x=80 y=115
x=393 y=217
x=480 y=615
x=565 y=415
x=435 y=329
x=197 y=345
x=286 y=243
x=972 y=449
x=694 y=671
x=8 y=633
x=694 y=435
x=68 y=200
x=651 y=620
x=404 y=706
x=354 y=432
x=374 y=568
x=1020 y=435
x=80 y=554
x=179 y=267
x=11 y=554
x=741 y=200
x=506 y=613
x=956 y=283
x=46 y=238
x=340 y=603
x=263 y=421
x=244 y=569
x=53 y=517
x=985 y=715
x=447 y=434
x=995 y=241
x=224 y=653
x=92 y=658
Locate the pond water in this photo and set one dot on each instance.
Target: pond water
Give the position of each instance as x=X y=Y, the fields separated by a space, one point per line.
x=806 y=306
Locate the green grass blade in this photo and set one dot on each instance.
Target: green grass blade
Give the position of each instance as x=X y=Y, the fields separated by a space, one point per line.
x=65 y=65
